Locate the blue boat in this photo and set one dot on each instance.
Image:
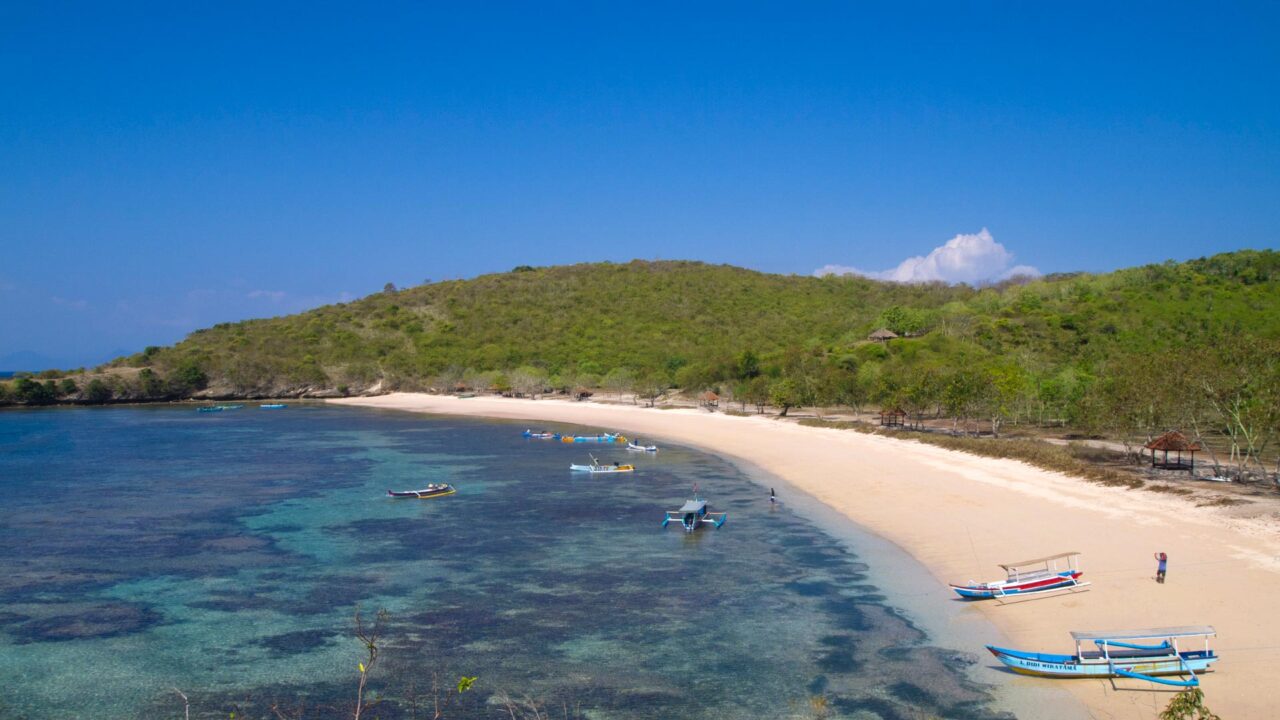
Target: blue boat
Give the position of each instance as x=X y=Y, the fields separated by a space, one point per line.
x=695 y=513
x=1150 y=655
x=601 y=438
x=272 y=406
x=541 y=435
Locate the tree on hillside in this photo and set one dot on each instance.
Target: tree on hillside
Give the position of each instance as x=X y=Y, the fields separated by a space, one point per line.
x=1244 y=389
x=746 y=365
x=528 y=381
x=97 y=391
x=1006 y=389
x=651 y=385
x=785 y=393
x=754 y=391
x=619 y=380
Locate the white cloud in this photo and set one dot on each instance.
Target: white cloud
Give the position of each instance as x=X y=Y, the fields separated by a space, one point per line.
x=964 y=258
x=272 y=295
x=73 y=304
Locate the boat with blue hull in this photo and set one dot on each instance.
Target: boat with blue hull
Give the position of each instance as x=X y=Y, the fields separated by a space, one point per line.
x=541 y=435
x=601 y=438
x=1152 y=655
x=695 y=513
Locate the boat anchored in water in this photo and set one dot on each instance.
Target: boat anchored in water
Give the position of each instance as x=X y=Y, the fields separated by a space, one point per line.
x=637 y=447
x=272 y=406
x=1054 y=573
x=596 y=468
x=1138 y=654
x=430 y=491
x=601 y=438
x=541 y=435
x=694 y=513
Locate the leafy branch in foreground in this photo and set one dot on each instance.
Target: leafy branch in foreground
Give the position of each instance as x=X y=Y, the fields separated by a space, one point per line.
x=1188 y=705
x=369 y=637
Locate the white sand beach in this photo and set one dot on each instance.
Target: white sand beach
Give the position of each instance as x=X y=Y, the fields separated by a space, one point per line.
x=960 y=515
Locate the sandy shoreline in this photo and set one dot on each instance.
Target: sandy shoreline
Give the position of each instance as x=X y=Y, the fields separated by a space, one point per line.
x=960 y=515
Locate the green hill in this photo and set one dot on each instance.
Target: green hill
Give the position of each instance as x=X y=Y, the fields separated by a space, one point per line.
x=1079 y=348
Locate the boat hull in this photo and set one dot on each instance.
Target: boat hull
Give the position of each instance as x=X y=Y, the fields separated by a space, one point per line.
x=423 y=494
x=1072 y=666
x=987 y=591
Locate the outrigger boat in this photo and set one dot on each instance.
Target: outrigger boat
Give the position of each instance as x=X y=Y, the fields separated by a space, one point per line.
x=1028 y=577
x=218 y=408
x=693 y=513
x=430 y=491
x=541 y=435
x=1138 y=654
x=601 y=438
x=595 y=467
x=642 y=448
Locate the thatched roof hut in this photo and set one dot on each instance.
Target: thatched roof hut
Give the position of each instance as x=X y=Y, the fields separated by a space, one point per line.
x=882 y=335
x=1176 y=442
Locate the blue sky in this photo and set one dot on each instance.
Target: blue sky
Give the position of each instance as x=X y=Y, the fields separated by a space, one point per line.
x=164 y=166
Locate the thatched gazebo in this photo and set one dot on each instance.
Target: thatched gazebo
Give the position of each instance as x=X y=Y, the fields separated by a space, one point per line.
x=709 y=399
x=882 y=335
x=1173 y=441
x=893 y=417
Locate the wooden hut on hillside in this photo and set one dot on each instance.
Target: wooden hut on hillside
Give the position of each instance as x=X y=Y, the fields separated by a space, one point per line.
x=893 y=417
x=882 y=335
x=1176 y=442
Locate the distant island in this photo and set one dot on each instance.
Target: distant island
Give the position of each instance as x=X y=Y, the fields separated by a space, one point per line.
x=1127 y=354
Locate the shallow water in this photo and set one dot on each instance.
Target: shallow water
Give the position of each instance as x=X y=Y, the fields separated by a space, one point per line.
x=148 y=548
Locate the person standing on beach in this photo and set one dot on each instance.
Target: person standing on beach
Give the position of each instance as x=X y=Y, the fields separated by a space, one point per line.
x=1162 y=561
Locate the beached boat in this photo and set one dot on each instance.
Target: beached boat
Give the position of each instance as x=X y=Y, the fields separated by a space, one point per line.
x=595 y=467
x=642 y=448
x=541 y=435
x=430 y=491
x=1138 y=654
x=695 y=513
x=272 y=406
x=601 y=438
x=218 y=408
x=1054 y=573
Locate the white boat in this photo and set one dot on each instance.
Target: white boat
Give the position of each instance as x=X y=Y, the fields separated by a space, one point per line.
x=641 y=448
x=596 y=468
x=1055 y=573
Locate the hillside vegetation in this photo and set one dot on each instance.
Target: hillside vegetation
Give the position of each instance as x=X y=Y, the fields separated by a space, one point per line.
x=1128 y=353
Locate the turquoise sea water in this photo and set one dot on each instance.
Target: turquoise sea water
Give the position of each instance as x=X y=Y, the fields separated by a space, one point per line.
x=144 y=549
